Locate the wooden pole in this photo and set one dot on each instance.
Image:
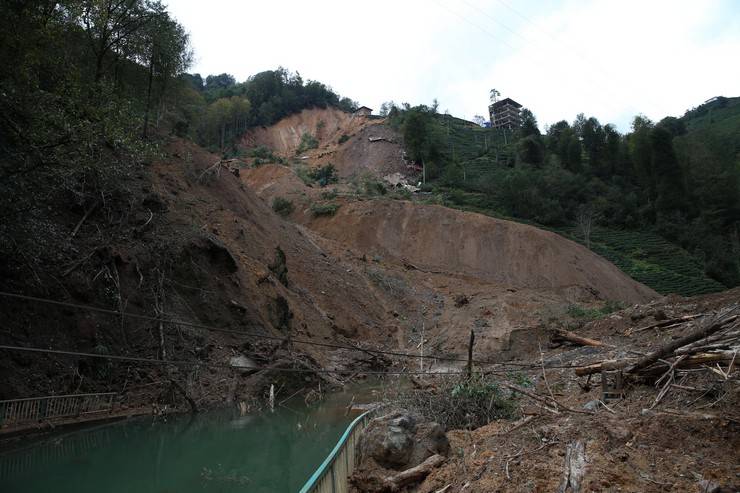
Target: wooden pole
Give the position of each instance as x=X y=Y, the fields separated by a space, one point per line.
x=470 y=354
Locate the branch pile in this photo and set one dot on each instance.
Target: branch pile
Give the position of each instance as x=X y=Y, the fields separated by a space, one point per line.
x=716 y=339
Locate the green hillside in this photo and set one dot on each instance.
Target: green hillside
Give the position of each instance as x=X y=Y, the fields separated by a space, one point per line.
x=642 y=254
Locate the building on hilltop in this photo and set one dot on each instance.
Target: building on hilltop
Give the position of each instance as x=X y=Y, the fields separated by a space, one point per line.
x=505 y=114
x=363 y=111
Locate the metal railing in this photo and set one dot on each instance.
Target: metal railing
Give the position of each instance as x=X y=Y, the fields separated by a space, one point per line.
x=36 y=409
x=333 y=474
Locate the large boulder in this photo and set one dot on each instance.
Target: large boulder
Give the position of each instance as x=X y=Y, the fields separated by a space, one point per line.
x=398 y=441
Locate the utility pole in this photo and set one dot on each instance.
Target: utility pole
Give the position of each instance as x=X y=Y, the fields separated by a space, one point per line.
x=470 y=354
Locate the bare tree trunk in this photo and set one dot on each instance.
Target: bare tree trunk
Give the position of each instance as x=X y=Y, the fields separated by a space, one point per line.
x=148 y=97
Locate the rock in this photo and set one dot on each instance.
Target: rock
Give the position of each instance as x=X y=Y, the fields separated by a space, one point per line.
x=592 y=405
x=395 y=441
x=245 y=364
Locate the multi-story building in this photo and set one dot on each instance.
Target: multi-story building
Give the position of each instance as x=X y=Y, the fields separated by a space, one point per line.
x=505 y=114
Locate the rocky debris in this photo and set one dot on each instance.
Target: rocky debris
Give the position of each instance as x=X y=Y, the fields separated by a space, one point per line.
x=398 y=442
x=397 y=180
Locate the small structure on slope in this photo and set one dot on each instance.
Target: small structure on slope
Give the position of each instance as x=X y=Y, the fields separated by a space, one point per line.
x=363 y=111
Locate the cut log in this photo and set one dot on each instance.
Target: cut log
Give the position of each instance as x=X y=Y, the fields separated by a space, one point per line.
x=415 y=474
x=560 y=336
x=692 y=361
x=575 y=468
x=707 y=329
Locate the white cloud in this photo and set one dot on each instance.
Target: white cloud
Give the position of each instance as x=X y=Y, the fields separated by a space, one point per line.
x=604 y=58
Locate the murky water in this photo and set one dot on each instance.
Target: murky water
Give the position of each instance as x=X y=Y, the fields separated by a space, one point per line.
x=215 y=452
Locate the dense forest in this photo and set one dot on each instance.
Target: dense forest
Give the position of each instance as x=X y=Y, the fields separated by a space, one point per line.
x=679 y=177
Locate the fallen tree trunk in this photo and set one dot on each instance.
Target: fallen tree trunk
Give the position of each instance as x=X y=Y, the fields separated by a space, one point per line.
x=667 y=350
x=689 y=362
x=413 y=475
x=560 y=336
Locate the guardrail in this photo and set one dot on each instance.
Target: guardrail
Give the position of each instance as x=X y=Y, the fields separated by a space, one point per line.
x=16 y=412
x=333 y=474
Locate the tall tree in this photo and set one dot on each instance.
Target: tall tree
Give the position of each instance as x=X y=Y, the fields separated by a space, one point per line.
x=670 y=182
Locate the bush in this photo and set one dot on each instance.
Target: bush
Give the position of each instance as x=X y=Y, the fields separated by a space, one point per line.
x=308 y=141
x=460 y=403
x=374 y=187
x=324 y=209
x=344 y=138
x=324 y=175
x=329 y=194
x=580 y=312
x=282 y=206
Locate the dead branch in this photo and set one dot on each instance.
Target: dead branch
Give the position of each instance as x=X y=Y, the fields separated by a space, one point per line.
x=413 y=475
x=666 y=323
x=558 y=336
x=715 y=324
x=544 y=400
x=84 y=218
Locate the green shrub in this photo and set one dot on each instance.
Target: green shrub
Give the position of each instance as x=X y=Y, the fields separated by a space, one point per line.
x=374 y=187
x=308 y=141
x=581 y=312
x=282 y=206
x=328 y=209
x=324 y=175
x=344 y=138
x=329 y=194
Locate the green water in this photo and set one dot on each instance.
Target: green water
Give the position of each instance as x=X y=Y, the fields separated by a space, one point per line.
x=215 y=452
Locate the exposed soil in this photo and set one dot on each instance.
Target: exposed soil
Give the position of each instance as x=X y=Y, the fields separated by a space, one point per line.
x=688 y=442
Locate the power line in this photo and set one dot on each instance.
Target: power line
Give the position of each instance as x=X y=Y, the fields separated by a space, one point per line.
x=235 y=332
x=536 y=63
x=263 y=336
x=135 y=359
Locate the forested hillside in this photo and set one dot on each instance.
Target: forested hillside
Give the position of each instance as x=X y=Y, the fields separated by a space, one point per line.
x=90 y=91
x=677 y=180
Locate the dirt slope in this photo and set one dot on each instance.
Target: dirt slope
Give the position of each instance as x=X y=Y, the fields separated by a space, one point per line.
x=284 y=137
x=369 y=146
x=513 y=254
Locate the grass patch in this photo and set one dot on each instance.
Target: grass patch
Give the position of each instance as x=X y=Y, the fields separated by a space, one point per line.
x=324 y=209
x=282 y=206
x=308 y=141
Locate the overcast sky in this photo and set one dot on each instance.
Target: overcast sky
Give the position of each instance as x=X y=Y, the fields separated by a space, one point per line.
x=610 y=59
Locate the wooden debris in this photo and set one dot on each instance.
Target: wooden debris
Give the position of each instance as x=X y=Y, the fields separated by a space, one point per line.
x=667 y=350
x=666 y=323
x=575 y=468
x=559 y=336
x=413 y=475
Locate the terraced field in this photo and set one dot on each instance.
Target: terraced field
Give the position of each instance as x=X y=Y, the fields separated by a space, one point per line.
x=652 y=260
